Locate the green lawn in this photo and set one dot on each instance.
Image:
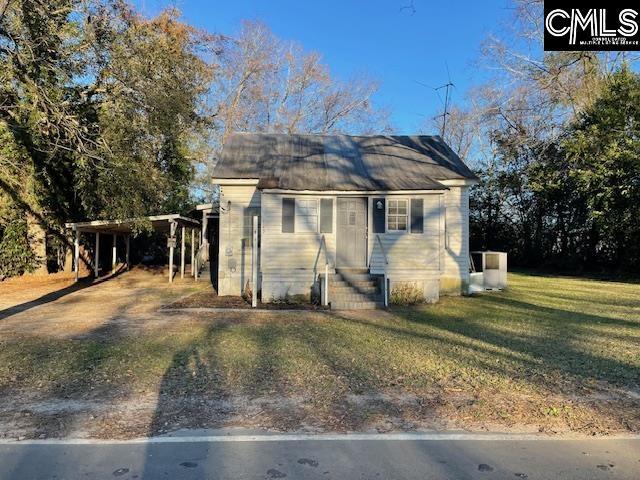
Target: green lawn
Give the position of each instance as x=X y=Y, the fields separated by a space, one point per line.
x=554 y=354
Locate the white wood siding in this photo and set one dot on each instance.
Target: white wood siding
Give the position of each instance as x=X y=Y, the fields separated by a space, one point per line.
x=234 y=270
x=298 y=250
x=290 y=262
x=456 y=241
x=406 y=250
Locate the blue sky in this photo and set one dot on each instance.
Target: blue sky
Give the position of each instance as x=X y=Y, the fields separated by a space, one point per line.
x=393 y=46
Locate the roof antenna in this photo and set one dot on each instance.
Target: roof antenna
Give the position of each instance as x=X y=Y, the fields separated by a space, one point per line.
x=447 y=86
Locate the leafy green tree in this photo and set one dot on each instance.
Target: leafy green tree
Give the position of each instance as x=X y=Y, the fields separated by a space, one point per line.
x=154 y=80
x=16 y=256
x=603 y=150
x=100 y=110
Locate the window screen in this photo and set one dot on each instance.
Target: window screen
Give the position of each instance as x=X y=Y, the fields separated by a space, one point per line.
x=397 y=216
x=306 y=215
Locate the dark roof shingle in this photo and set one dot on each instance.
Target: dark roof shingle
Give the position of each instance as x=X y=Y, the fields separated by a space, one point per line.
x=341 y=162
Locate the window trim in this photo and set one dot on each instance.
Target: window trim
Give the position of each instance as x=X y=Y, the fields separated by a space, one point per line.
x=406 y=215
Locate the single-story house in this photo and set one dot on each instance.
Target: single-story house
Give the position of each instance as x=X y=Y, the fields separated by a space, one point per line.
x=365 y=209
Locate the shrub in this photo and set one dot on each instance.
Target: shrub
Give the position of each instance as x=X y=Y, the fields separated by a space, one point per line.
x=298 y=299
x=406 y=293
x=16 y=256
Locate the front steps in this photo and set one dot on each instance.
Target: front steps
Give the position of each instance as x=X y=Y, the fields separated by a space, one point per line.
x=355 y=290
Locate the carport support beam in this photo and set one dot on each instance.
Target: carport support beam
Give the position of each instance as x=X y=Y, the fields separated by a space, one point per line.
x=96 y=260
x=114 y=256
x=76 y=255
x=182 y=252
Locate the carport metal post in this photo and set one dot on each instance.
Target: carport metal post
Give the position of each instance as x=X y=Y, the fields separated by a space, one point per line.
x=182 y=252
x=114 y=256
x=76 y=254
x=172 y=232
x=193 y=251
x=96 y=260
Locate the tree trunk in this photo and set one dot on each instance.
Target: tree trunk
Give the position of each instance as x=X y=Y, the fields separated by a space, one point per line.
x=68 y=259
x=38 y=243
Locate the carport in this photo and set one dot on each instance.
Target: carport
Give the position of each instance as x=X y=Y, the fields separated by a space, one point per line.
x=170 y=224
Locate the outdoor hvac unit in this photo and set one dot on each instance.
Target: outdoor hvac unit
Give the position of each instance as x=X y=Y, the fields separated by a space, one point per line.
x=493 y=266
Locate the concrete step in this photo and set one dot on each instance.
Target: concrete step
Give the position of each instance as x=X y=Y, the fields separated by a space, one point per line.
x=355 y=305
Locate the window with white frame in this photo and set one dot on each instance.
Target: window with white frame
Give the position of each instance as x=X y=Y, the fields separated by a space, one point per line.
x=306 y=215
x=397 y=215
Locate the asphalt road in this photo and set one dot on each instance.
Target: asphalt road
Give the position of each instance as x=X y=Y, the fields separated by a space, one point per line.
x=326 y=459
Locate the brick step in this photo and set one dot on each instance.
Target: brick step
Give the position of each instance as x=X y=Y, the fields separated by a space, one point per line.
x=355 y=305
x=355 y=297
x=366 y=289
x=370 y=283
x=360 y=277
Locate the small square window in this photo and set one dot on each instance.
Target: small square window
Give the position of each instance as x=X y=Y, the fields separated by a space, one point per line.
x=397 y=215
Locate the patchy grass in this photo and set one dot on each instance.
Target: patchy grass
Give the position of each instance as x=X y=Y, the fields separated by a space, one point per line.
x=550 y=354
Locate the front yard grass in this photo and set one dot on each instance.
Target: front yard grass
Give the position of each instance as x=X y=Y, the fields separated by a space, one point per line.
x=549 y=354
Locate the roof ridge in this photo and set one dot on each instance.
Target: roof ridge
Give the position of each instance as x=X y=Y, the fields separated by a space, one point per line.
x=281 y=134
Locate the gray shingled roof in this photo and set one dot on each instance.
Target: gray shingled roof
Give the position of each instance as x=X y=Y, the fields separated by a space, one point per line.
x=341 y=162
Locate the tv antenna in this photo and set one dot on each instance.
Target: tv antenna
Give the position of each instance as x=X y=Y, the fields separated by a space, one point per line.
x=447 y=86
x=447 y=99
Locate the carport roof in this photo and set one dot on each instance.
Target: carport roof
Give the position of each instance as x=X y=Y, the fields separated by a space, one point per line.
x=158 y=223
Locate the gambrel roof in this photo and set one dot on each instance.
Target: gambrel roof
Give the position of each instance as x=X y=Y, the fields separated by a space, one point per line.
x=341 y=162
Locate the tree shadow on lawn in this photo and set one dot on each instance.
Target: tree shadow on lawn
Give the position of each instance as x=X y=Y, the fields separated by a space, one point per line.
x=207 y=383
x=552 y=348
x=629 y=301
x=81 y=284
x=329 y=360
x=584 y=276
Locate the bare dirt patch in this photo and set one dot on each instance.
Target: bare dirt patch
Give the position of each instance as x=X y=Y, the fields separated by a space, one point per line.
x=209 y=299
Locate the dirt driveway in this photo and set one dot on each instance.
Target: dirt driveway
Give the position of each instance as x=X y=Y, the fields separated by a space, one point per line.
x=60 y=308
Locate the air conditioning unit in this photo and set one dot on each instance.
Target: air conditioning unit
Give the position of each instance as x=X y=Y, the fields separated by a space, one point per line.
x=493 y=266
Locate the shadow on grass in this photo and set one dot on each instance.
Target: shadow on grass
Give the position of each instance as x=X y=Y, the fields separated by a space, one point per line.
x=326 y=357
x=56 y=295
x=553 y=348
